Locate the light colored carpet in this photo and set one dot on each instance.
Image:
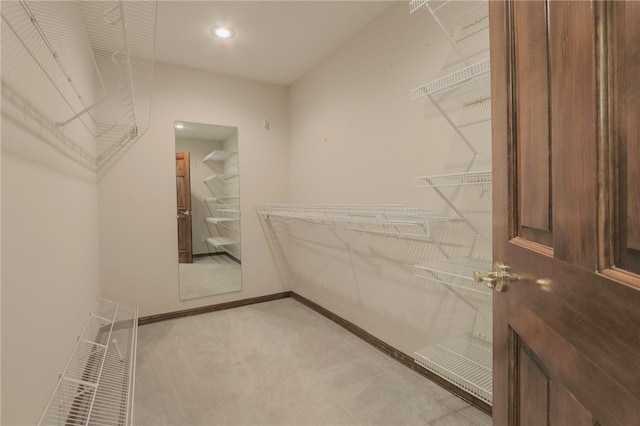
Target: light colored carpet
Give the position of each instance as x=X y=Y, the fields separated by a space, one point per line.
x=279 y=363
x=209 y=275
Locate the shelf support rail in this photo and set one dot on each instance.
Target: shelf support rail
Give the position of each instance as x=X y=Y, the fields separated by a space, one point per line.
x=89 y=108
x=458 y=212
x=455 y=128
x=446 y=33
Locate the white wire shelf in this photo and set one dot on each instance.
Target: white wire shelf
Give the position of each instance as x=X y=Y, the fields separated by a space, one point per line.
x=216 y=220
x=218 y=242
x=384 y=220
x=472 y=20
x=481 y=94
x=475 y=113
x=456 y=179
x=353 y=214
x=220 y=176
x=117 y=39
x=465 y=361
x=416 y=5
x=365 y=210
x=434 y=5
x=218 y=156
x=97 y=384
x=221 y=199
x=225 y=209
x=458 y=21
x=455 y=80
x=456 y=274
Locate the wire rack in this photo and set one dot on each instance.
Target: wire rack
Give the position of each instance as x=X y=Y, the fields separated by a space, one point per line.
x=223 y=221
x=218 y=156
x=472 y=20
x=455 y=80
x=117 y=39
x=386 y=220
x=456 y=273
x=465 y=361
x=457 y=179
x=221 y=241
x=97 y=384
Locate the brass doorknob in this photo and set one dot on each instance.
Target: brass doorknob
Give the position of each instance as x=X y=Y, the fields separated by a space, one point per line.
x=499 y=279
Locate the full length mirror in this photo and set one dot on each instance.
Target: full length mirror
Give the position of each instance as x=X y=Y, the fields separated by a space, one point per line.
x=208 y=209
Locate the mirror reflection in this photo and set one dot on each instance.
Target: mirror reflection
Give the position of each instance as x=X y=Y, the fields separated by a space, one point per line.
x=208 y=209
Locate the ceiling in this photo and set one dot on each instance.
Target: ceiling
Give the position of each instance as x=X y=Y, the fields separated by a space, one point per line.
x=275 y=42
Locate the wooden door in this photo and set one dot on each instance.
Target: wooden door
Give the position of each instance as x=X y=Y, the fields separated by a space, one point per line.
x=566 y=152
x=183 y=214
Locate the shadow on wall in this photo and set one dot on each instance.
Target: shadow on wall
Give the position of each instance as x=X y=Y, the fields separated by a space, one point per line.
x=26 y=130
x=375 y=274
x=25 y=127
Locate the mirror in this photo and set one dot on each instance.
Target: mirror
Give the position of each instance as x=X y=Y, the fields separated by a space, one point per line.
x=208 y=209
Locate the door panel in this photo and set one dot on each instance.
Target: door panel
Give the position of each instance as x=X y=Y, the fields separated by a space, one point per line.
x=533 y=150
x=533 y=392
x=626 y=106
x=183 y=213
x=573 y=132
x=565 y=409
x=566 y=337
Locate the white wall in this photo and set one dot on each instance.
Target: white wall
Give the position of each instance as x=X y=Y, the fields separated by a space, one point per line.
x=357 y=138
x=137 y=204
x=49 y=218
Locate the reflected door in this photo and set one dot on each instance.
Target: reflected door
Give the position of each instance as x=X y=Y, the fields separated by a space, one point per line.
x=566 y=101
x=183 y=214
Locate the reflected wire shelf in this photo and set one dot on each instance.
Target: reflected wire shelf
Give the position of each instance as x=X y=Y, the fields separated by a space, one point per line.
x=218 y=156
x=216 y=220
x=221 y=241
x=465 y=361
x=220 y=176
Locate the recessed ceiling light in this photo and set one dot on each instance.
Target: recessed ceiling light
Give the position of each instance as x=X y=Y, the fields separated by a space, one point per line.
x=179 y=126
x=222 y=31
